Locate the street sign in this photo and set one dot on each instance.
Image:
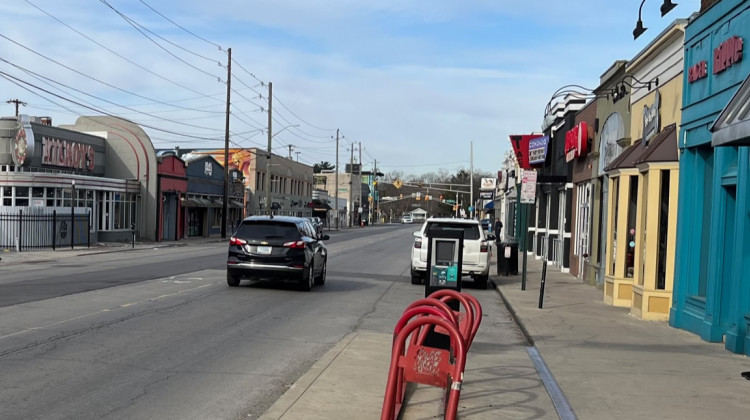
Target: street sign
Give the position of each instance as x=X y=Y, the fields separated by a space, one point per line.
x=528 y=187
x=398 y=184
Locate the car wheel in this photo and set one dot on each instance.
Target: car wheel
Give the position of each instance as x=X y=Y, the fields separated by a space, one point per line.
x=306 y=282
x=481 y=282
x=321 y=279
x=416 y=278
x=232 y=280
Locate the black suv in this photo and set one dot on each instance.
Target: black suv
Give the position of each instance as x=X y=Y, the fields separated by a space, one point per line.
x=277 y=248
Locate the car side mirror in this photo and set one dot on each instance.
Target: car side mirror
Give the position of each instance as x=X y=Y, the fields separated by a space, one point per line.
x=324 y=237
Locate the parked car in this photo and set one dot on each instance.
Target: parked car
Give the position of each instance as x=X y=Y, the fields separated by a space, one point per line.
x=281 y=248
x=476 y=254
x=406 y=218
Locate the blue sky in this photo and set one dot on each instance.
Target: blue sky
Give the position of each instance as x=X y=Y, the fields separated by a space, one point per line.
x=416 y=82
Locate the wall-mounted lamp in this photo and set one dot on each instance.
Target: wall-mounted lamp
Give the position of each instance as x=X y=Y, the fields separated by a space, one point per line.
x=620 y=90
x=666 y=7
x=639 y=29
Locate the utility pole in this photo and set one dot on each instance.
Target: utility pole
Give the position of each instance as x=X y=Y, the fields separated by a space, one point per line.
x=373 y=208
x=471 y=180
x=359 y=179
x=17 y=102
x=268 y=156
x=336 y=176
x=350 y=213
x=224 y=214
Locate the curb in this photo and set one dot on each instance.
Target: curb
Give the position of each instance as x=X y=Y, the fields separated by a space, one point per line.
x=301 y=385
x=514 y=315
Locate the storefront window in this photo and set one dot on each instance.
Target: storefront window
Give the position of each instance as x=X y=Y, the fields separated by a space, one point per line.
x=661 y=274
x=614 y=194
x=22 y=196
x=632 y=211
x=7 y=196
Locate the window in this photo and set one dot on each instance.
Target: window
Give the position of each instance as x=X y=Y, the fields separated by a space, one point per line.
x=630 y=238
x=583 y=220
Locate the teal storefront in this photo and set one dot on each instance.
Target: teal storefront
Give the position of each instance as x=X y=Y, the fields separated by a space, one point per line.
x=712 y=270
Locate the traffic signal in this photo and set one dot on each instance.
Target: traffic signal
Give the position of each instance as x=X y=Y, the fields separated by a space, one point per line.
x=375 y=183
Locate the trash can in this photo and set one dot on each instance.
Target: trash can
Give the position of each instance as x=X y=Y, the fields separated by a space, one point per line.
x=507 y=259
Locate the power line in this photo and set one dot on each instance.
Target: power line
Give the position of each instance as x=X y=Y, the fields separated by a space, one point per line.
x=113 y=52
x=137 y=27
x=177 y=25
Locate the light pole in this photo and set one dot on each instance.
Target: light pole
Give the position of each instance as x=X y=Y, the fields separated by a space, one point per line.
x=72 y=212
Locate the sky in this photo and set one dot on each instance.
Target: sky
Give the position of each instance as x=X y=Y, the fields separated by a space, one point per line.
x=413 y=86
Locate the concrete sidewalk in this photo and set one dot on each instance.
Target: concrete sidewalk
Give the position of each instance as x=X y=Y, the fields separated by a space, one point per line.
x=607 y=363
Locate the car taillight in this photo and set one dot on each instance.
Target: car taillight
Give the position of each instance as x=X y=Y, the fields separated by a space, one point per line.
x=295 y=244
x=237 y=241
x=418 y=243
x=483 y=247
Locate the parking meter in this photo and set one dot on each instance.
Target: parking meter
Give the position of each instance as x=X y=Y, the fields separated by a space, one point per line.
x=444 y=260
x=132 y=230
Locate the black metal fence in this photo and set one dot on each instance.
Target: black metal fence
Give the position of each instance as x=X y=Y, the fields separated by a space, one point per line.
x=43 y=230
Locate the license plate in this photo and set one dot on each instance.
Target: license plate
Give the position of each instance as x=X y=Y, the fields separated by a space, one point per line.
x=265 y=250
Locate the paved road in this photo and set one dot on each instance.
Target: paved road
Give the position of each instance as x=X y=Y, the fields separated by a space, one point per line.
x=158 y=334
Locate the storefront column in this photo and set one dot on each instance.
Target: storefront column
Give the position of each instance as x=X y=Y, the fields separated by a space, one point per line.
x=618 y=289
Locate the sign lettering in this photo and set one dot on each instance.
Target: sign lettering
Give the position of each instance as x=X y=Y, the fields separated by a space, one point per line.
x=728 y=53
x=68 y=154
x=651 y=119
x=697 y=71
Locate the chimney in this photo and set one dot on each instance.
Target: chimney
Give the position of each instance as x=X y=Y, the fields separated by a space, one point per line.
x=46 y=120
x=177 y=151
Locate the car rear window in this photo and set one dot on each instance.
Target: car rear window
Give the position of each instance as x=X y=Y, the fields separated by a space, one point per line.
x=471 y=232
x=267 y=230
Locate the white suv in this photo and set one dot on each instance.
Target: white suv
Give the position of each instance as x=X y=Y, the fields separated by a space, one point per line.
x=476 y=255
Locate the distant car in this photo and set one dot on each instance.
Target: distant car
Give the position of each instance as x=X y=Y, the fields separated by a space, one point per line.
x=485 y=224
x=281 y=248
x=406 y=219
x=476 y=254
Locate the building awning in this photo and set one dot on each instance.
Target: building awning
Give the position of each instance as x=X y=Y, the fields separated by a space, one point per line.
x=317 y=205
x=235 y=203
x=662 y=148
x=490 y=205
x=732 y=127
x=196 y=202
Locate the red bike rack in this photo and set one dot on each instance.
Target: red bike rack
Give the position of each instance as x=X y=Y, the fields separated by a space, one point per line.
x=450 y=315
x=425 y=365
x=469 y=323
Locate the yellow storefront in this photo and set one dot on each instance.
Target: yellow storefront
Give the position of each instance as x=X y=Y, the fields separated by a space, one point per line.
x=644 y=184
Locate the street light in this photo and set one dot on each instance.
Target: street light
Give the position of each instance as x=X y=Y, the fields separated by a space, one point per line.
x=72 y=212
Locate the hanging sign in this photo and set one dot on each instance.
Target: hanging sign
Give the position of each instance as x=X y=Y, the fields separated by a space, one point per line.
x=651 y=119
x=576 y=141
x=528 y=186
x=520 y=143
x=538 y=150
x=23 y=143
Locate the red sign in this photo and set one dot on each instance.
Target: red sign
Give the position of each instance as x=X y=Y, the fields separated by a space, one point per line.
x=520 y=143
x=729 y=52
x=697 y=72
x=67 y=153
x=576 y=141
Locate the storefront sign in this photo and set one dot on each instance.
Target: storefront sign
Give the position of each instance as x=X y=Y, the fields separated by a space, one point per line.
x=576 y=141
x=528 y=187
x=23 y=143
x=67 y=153
x=520 y=143
x=728 y=53
x=538 y=150
x=651 y=119
x=488 y=184
x=698 y=71
x=487 y=195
